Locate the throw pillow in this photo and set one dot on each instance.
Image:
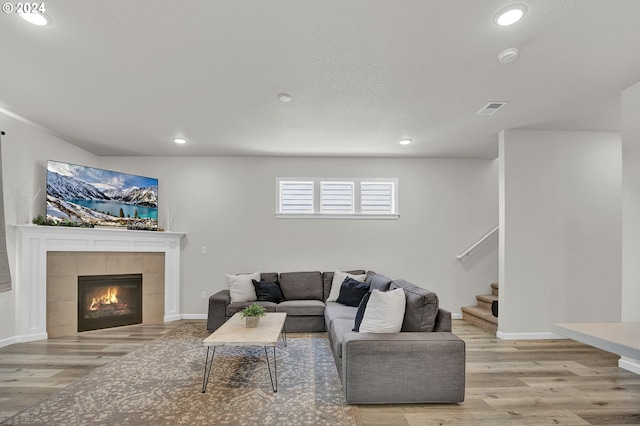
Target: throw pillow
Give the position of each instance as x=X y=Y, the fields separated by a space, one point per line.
x=268 y=292
x=360 y=312
x=338 y=279
x=241 y=288
x=384 y=312
x=352 y=292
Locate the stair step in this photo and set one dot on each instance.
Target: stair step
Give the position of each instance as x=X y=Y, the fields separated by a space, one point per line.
x=494 y=289
x=480 y=313
x=481 y=318
x=484 y=301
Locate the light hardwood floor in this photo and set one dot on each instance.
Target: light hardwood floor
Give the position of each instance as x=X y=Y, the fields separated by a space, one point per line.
x=508 y=382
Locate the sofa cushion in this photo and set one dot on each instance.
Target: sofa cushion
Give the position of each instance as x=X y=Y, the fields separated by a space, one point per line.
x=339 y=328
x=269 y=277
x=352 y=292
x=338 y=279
x=384 y=312
x=233 y=308
x=421 y=309
x=240 y=287
x=378 y=282
x=301 y=307
x=267 y=292
x=338 y=310
x=327 y=280
x=301 y=285
x=360 y=312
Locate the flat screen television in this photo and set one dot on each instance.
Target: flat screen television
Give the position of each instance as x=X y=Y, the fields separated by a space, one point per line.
x=100 y=197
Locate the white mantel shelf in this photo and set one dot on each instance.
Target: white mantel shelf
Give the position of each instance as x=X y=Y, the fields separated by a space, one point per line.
x=35 y=241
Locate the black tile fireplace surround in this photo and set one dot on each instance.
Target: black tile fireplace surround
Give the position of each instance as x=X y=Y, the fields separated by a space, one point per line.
x=106 y=301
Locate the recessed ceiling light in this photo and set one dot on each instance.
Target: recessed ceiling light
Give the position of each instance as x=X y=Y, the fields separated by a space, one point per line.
x=510 y=15
x=284 y=97
x=36 y=18
x=180 y=141
x=405 y=141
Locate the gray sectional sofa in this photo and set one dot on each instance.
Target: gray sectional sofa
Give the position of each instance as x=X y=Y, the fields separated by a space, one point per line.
x=423 y=363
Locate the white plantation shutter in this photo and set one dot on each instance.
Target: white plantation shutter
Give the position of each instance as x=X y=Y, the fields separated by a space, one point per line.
x=336 y=197
x=377 y=198
x=296 y=197
x=343 y=198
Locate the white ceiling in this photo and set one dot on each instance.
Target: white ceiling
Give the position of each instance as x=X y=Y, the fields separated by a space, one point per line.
x=126 y=77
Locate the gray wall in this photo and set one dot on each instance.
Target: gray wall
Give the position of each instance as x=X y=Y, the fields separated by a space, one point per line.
x=227 y=204
x=560 y=241
x=631 y=204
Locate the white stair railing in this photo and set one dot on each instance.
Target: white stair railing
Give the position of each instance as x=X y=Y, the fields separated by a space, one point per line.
x=468 y=251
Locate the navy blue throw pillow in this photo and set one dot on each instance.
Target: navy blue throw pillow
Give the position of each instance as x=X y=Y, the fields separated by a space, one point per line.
x=268 y=292
x=360 y=312
x=352 y=292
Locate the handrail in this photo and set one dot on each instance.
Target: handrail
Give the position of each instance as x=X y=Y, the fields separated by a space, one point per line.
x=480 y=241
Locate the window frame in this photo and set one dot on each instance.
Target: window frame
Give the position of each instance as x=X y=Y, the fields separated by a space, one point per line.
x=356 y=210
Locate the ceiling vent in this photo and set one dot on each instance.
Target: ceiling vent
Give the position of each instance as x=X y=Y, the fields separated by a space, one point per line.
x=491 y=108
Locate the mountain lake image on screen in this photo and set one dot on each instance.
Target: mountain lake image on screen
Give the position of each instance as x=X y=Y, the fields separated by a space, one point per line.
x=100 y=197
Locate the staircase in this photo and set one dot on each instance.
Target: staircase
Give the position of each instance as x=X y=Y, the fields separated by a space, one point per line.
x=480 y=315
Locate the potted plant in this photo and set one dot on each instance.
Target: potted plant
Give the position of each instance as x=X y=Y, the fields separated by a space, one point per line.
x=253 y=313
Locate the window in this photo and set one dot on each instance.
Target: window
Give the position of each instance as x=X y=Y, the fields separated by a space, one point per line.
x=296 y=197
x=337 y=198
x=377 y=197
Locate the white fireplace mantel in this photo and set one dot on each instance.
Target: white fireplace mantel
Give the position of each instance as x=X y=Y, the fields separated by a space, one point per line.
x=31 y=280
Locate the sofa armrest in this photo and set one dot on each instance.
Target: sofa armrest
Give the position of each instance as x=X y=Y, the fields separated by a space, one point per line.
x=443 y=321
x=415 y=367
x=216 y=315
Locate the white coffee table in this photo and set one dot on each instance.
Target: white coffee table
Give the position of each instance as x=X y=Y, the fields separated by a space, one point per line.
x=235 y=333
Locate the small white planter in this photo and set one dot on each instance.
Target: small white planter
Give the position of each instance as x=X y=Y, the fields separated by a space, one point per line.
x=252 y=322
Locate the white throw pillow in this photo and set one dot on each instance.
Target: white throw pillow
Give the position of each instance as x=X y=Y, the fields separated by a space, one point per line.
x=241 y=288
x=384 y=312
x=338 y=279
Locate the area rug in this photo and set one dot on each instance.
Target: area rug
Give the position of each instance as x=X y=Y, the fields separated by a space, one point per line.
x=161 y=383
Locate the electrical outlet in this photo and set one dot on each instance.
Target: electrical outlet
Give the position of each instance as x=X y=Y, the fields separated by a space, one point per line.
x=203 y=249
x=203 y=295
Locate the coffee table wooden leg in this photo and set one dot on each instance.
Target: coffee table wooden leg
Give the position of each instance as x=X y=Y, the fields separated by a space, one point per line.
x=205 y=378
x=275 y=368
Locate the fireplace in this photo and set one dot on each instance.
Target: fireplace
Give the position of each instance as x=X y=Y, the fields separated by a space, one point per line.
x=106 y=301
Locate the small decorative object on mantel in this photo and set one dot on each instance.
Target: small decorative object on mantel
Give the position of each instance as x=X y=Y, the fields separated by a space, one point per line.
x=168 y=218
x=43 y=221
x=252 y=314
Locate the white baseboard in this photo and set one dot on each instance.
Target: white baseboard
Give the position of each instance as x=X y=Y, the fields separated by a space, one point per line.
x=23 y=339
x=528 y=336
x=194 y=316
x=629 y=364
x=456 y=316
x=172 y=318
x=8 y=341
x=31 y=337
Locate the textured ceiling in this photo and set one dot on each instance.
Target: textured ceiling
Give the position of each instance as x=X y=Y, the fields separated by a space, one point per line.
x=126 y=77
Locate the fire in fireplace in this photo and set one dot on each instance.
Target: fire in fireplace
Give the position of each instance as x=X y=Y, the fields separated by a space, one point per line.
x=109 y=301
